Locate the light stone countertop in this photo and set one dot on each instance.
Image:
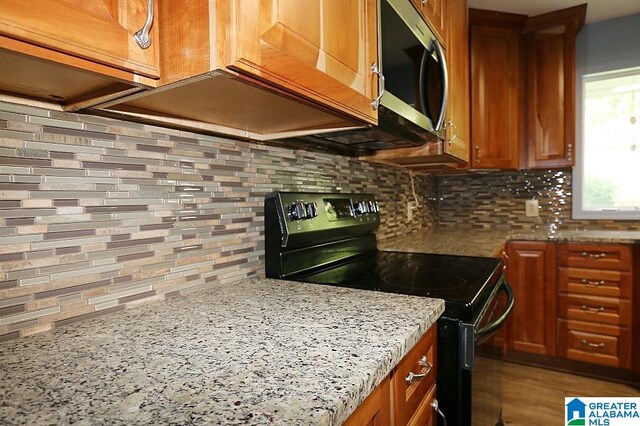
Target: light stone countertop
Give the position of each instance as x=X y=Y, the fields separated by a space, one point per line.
x=257 y=351
x=490 y=243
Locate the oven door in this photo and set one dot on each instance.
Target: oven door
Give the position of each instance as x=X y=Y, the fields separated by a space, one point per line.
x=487 y=372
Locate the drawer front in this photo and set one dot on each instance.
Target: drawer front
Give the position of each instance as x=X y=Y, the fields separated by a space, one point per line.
x=425 y=414
x=592 y=282
x=595 y=309
x=596 y=256
x=595 y=343
x=408 y=396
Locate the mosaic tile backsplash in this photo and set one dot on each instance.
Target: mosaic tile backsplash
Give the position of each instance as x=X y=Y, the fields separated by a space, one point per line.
x=98 y=215
x=497 y=200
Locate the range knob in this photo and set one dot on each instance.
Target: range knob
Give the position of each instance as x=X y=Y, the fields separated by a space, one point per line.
x=362 y=207
x=373 y=206
x=298 y=211
x=312 y=210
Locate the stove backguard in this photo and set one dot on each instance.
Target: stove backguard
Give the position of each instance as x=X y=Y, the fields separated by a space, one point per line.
x=311 y=230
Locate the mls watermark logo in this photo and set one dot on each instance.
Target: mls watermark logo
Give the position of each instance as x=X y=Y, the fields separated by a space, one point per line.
x=602 y=411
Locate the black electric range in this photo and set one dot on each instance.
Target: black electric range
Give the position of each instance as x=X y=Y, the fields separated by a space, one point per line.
x=463 y=282
x=329 y=239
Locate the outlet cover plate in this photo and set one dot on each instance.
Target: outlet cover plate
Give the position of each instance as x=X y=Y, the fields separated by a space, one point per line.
x=531 y=208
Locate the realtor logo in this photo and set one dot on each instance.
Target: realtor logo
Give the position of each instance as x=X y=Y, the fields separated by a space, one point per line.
x=576 y=412
x=611 y=411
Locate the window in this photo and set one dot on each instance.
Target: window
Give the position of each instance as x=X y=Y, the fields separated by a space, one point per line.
x=607 y=178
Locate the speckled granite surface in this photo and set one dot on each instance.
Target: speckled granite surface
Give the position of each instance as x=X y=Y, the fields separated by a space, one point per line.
x=254 y=352
x=490 y=243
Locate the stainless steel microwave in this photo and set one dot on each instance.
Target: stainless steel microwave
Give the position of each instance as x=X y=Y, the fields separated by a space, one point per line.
x=412 y=88
x=412 y=73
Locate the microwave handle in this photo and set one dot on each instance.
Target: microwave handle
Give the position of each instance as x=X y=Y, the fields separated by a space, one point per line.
x=445 y=83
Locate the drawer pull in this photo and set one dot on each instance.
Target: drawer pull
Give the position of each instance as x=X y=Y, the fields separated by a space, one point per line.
x=590 y=309
x=592 y=345
x=591 y=283
x=423 y=363
x=437 y=409
x=593 y=255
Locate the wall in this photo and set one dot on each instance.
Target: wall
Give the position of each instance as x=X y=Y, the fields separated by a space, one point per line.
x=497 y=200
x=98 y=215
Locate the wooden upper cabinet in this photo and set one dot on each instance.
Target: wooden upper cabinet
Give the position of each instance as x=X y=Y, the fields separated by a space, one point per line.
x=458 y=108
x=435 y=13
x=322 y=50
x=99 y=30
x=550 y=87
x=531 y=272
x=495 y=88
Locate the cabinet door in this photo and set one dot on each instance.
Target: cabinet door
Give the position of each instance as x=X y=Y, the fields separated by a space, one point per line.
x=375 y=410
x=98 y=30
x=531 y=273
x=550 y=87
x=458 y=128
x=494 y=97
x=550 y=99
x=435 y=13
x=320 y=49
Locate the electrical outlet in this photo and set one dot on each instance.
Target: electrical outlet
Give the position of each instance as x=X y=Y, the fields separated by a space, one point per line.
x=410 y=206
x=531 y=208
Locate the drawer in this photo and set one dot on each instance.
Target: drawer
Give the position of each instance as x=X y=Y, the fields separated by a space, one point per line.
x=601 y=310
x=616 y=257
x=595 y=343
x=409 y=396
x=425 y=414
x=594 y=282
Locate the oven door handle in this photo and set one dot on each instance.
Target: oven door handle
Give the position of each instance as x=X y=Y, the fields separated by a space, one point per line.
x=487 y=330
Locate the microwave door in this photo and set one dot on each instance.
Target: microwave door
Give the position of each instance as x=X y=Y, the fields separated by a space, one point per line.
x=434 y=84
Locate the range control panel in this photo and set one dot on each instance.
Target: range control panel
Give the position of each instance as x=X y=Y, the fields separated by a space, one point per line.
x=301 y=212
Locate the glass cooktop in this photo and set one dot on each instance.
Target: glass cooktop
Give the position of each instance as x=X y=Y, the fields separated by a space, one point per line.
x=464 y=282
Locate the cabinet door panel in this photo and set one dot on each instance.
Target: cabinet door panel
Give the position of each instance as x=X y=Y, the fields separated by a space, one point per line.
x=494 y=97
x=320 y=49
x=531 y=273
x=100 y=30
x=458 y=110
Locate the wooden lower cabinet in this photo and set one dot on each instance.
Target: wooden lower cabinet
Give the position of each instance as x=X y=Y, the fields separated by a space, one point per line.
x=581 y=311
x=400 y=400
x=375 y=410
x=531 y=273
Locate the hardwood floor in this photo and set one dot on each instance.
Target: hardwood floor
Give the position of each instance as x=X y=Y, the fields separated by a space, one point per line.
x=534 y=396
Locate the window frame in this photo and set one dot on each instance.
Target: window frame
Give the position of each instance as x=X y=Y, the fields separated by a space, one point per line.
x=577 y=208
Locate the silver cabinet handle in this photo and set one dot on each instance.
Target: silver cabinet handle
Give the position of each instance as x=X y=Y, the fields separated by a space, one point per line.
x=437 y=409
x=375 y=69
x=593 y=255
x=591 y=283
x=142 y=35
x=424 y=2
x=592 y=345
x=454 y=131
x=590 y=309
x=419 y=376
x=569 y=152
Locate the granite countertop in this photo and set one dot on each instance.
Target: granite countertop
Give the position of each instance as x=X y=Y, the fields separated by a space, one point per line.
x=258 y=351
x=490 y=243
